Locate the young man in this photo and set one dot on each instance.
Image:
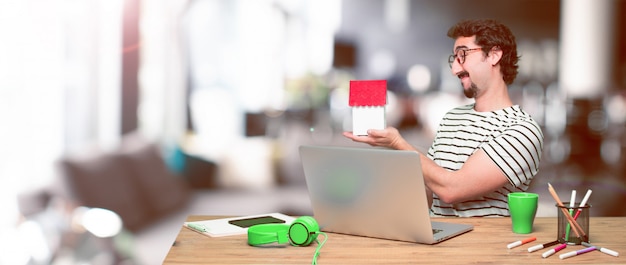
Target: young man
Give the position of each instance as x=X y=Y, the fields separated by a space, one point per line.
x=485 y=150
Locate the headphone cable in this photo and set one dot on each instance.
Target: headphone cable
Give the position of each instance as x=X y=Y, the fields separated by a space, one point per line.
x=319 y=246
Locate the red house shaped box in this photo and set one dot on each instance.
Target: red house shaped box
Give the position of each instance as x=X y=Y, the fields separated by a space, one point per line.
x=368 y=99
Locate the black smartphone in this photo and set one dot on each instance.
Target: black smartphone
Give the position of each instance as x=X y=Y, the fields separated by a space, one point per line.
x=248 y=222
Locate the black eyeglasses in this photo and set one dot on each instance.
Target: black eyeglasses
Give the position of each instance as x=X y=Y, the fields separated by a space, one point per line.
x=460 y=56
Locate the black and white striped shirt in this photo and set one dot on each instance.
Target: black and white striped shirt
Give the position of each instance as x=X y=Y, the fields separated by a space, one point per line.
x=510 y=137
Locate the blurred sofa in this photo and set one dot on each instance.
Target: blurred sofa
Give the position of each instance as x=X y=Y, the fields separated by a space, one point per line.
x=133 y=181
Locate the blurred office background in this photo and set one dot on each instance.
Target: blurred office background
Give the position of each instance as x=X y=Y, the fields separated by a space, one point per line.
x=225 y=92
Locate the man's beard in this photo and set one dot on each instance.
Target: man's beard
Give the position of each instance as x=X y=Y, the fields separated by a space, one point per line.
x=471 y=91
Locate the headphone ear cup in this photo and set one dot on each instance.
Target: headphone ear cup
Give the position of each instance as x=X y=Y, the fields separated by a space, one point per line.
x=268 y=233
x=303 y=231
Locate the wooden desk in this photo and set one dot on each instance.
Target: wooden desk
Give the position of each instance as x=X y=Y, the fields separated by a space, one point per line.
x=485 y=244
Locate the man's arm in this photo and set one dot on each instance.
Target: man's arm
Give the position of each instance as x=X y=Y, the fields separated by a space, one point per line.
x=478 y=176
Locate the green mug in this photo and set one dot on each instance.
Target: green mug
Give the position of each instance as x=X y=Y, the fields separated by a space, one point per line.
x=523 y=208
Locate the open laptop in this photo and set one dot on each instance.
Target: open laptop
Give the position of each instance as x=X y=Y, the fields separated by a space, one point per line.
x=372 y=192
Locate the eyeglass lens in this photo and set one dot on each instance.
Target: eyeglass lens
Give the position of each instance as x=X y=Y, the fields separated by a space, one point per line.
x=459 y=56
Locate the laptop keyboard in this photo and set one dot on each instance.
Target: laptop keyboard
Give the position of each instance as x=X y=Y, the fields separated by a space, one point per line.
x=435 y=231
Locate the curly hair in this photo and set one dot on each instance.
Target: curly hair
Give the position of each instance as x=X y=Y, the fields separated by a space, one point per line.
x=491 y=33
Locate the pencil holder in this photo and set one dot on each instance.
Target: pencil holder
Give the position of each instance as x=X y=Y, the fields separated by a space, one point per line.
x=573 y=223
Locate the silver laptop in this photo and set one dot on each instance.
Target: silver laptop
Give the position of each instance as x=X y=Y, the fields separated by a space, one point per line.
x=372 y=192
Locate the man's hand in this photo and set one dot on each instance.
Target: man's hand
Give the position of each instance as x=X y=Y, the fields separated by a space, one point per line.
x=389 y=137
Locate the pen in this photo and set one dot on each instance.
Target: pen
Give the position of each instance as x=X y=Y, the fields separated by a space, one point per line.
x=577 y=252
x=541 y=246
x=572 y=203
x=582 y=204
x=603 y=250
x=575 y=226
x=554 y=250
x=197 y=227
x=521 y=242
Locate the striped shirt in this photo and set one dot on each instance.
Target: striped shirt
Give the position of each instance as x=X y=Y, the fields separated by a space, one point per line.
x=510 y=137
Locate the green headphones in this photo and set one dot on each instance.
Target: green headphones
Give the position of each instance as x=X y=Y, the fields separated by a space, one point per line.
x=302 y=232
